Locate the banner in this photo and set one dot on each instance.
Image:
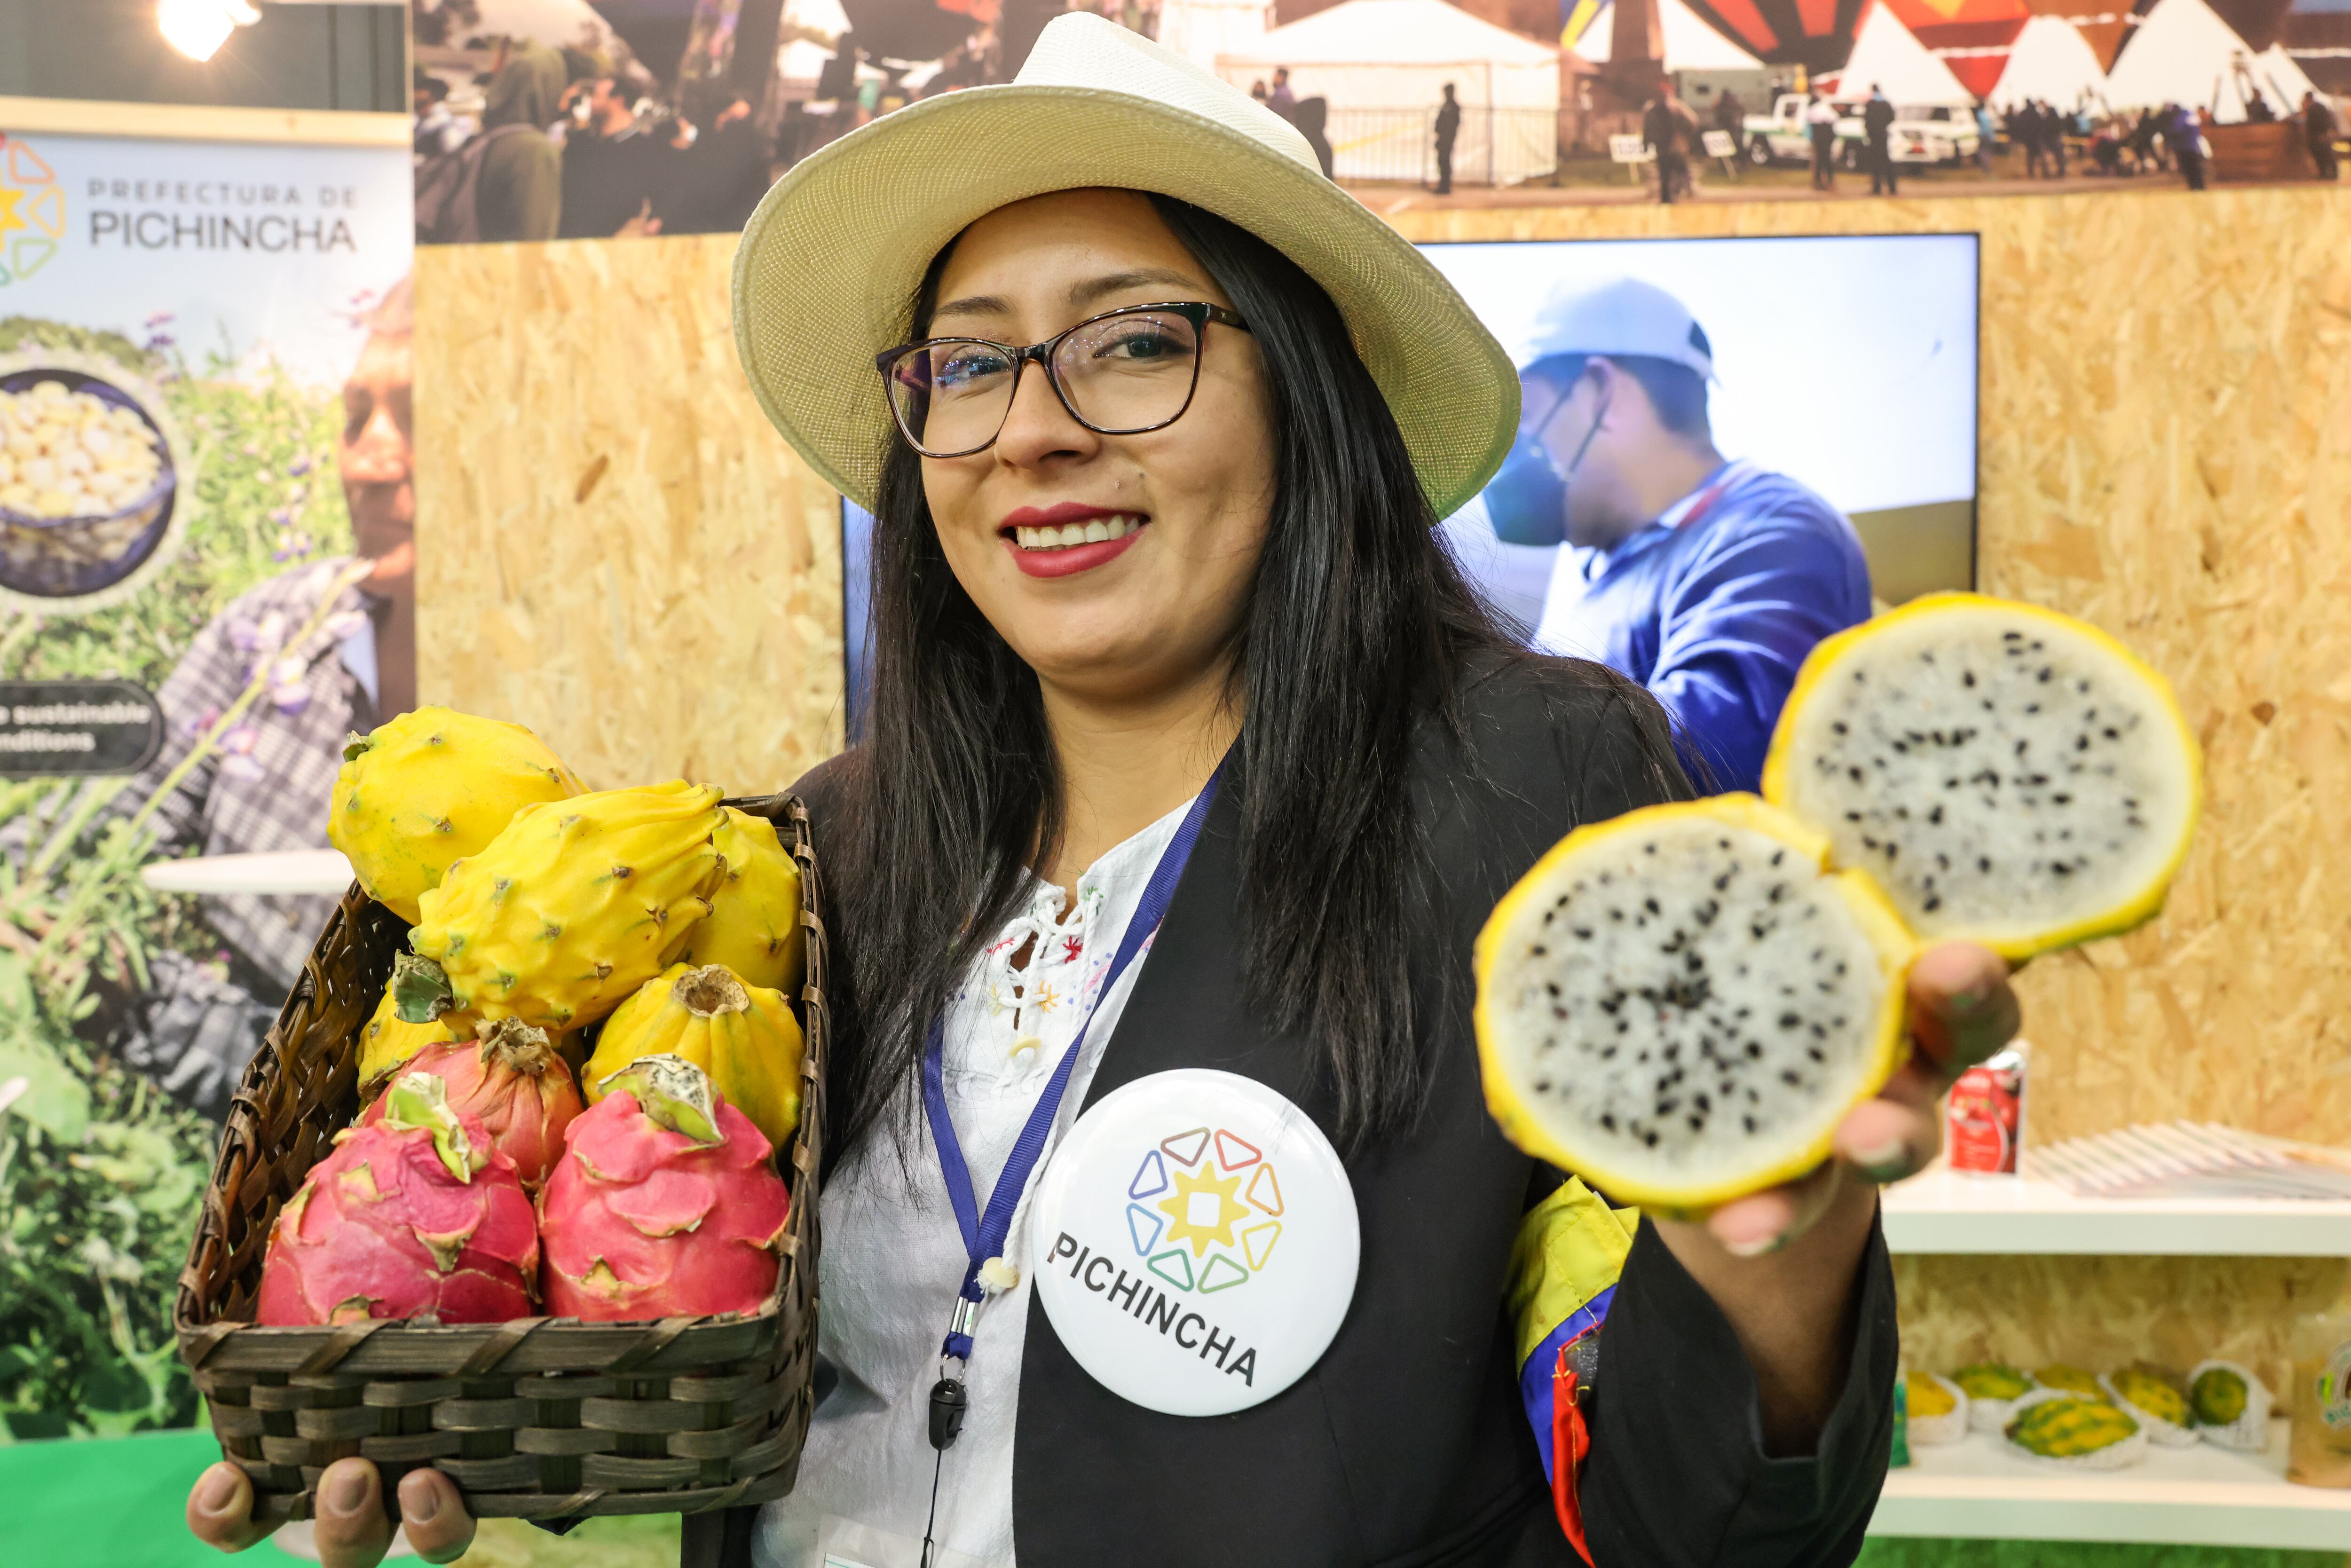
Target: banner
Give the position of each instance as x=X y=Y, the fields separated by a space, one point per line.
x=206 y=580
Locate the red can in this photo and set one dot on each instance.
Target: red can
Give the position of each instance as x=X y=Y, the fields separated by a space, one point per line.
x=1984 y=1126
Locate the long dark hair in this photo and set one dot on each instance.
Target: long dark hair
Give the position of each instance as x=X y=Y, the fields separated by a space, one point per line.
x=1358 y=625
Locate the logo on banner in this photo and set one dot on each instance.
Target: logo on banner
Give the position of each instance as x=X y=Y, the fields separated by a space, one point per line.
x=1196 y=1242
x=1204 y=1210
x=32 y=211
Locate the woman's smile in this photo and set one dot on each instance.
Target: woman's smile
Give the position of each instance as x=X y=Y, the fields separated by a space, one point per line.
x=1069 y=538
x=1028 y=522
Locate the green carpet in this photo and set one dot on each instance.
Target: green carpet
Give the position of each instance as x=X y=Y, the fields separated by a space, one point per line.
x=1908 y=1553
x=120 y=1504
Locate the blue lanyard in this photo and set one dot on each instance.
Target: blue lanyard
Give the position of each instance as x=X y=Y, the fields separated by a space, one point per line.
x=984 y=1235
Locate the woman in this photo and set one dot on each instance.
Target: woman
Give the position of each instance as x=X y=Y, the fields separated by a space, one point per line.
x=1158 y=606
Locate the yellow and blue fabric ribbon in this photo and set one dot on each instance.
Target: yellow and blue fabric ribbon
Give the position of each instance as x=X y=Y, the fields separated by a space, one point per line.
x=1563 y=1269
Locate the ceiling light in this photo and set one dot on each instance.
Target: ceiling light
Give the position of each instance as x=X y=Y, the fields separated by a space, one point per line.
x=197 y=29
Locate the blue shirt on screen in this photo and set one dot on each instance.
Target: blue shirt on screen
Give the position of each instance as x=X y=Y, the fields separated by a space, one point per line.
x=1713 y=607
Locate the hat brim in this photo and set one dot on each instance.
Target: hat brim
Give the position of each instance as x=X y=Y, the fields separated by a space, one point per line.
x=825 y=274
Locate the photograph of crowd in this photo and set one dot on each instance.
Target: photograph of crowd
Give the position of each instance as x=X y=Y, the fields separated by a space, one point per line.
x=574 y=118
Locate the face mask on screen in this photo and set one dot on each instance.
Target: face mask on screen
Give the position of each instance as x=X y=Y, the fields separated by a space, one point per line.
x=1526 y=500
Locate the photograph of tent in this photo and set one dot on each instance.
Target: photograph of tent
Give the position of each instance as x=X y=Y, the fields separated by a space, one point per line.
x=1742 y=98
x=2050 y=62
x=1383 y=68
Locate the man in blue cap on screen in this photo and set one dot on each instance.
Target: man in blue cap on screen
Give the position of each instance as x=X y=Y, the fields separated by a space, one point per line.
x=1706 y=581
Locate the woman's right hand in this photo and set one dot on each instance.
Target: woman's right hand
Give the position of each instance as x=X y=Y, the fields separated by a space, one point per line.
x=353 y=1530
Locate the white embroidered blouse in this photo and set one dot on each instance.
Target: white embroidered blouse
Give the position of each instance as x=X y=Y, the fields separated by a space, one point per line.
x=893 y=1257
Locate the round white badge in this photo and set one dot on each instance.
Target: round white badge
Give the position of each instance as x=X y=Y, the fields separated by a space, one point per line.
x=1195 y=1242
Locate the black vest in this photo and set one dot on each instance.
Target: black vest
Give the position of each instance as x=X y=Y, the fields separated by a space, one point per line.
x=1406 y=1446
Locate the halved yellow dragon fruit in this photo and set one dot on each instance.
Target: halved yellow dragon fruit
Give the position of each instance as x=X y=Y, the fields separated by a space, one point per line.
x=1961 y=769
x=1680 y=1004
x=2008 y=775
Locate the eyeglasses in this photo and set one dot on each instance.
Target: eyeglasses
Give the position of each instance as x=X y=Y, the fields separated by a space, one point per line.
x=1120 y=373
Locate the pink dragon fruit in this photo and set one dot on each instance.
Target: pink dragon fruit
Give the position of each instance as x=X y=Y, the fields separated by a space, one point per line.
x=513 y=1080
x=665 y=1203
x=413 y=1215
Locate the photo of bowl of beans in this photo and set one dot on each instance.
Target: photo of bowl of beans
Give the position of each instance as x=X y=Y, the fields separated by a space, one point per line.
x=88 y=479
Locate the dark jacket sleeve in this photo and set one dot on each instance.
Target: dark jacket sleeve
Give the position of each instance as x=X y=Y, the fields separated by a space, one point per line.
x=1678 y=1473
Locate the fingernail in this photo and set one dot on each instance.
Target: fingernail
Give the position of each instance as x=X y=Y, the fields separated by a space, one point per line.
x=343 y=1494
x=1756 y=1246
x=215 y=1491
x=420 y=1510
x=1882 y=1160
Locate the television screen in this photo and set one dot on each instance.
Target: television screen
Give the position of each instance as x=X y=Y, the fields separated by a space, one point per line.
x=1846 y=363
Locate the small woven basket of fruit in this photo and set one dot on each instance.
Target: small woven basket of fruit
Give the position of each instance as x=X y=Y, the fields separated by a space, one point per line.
x=89 y=470
x=523 y=1184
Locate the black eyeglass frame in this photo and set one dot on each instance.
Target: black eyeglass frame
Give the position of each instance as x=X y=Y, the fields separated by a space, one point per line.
x=1198 y=312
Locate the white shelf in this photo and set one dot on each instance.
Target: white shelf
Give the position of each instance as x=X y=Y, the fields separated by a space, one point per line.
x=2201 y=1496
x=1940 y=1210
x=278 y=871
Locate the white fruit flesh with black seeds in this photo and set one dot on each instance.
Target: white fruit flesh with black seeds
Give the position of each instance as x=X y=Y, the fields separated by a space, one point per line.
x=1993 y=772
x=1694 y=1001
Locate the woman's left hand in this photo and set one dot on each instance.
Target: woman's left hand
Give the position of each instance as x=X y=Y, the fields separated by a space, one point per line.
x=1962 y=1010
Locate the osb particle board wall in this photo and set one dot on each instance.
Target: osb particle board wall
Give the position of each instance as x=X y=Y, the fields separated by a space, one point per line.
x=2165 y=450
x=613 y=545
x=2105 y=1312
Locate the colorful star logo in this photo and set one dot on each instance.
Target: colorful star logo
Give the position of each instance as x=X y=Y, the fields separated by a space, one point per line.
x=1202 y=1209
x=32 y=210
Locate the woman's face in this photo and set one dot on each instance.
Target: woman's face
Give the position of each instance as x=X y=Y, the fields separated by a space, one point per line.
x=1124 y=619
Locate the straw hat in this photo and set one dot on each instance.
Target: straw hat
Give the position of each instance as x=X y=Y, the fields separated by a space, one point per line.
x=829 y=265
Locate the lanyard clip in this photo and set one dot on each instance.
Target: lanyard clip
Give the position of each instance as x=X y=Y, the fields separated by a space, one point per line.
x=948 y=1406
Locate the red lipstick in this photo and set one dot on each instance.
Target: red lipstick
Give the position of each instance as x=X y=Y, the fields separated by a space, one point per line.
x=1038 y=558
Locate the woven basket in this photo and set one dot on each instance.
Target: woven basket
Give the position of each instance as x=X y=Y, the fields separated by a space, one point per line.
x=538 y=1418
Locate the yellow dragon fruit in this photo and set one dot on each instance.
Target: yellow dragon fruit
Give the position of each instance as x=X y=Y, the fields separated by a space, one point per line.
x=2153 y=1399
x=2086 y=1433
x=754 y=927
x=2071 y=1379
x=2152 y=1394
x=430 y=788
x=743 y=1036
x=570 y=910
x=387 y=1040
